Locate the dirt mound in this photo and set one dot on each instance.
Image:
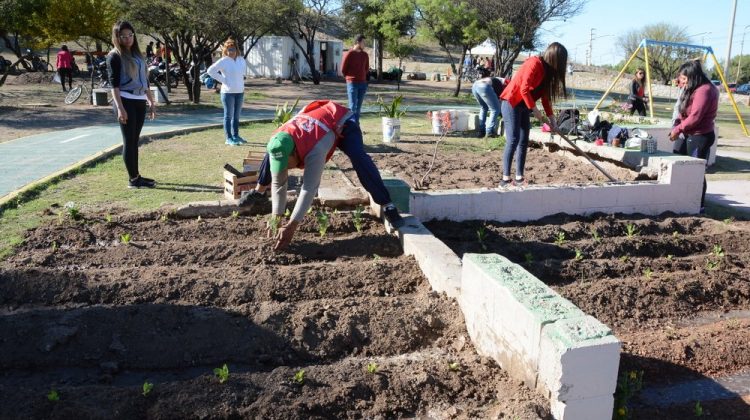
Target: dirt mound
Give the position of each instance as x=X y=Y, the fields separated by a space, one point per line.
x=31 y=78
x=93 y=318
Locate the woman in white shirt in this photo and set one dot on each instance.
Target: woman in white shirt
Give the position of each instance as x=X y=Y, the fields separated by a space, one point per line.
x=230 y=71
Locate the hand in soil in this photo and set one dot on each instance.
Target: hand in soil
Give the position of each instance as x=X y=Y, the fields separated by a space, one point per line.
x=285 y=236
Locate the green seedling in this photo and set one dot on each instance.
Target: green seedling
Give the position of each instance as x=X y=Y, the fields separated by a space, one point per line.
x=728 y=220
x=528 y=257
x=481 y=236
x=376 y=257
x=108 y=218
x=698 y=409
x=235 y=214
x=560 y=239
x=284 y=113
x=595 y=234
x=372 y=367
x=454 y=366
x=147 y=387
x=125 y=238
x=73 y=212
x=624 y=258
x=309 y=211
x=718 y=251
x=164 y=218
x=53 y=395
x=628 y=385
x=675 y=234
x=299 y=377
x=54 y=246
x=712 y=265
x=670 y=257
x=288 y=213
x=200 y=219
x=630 y=230
x=274 y=222
x=324 y=222
x=579 y=255
x=648 y=272
x=222 y=373
x=357 y=218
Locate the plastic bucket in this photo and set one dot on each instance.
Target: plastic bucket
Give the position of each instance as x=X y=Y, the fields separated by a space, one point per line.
x=391 y=130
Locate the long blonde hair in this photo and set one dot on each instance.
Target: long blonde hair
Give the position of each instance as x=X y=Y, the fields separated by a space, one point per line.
x=127 y=57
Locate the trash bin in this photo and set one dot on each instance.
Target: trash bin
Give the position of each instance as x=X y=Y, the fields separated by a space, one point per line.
x=158 y=96
x=100 y=97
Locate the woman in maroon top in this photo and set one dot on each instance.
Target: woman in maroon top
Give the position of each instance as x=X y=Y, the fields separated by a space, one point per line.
x=637 y=98
x=65 y=66
x=698 y=104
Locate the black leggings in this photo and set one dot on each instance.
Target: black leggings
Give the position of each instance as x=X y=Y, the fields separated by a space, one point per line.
x=65 y=72
x=698 y=146
x=131 y=132
x=638 y=105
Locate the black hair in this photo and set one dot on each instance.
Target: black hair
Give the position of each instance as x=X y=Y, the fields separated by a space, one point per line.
x=359 y=38
x=64 y=48
x=695 y=77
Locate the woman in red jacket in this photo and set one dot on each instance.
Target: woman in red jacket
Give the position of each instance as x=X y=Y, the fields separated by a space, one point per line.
x=65 y=66
x=538 y=77
x=699 y=102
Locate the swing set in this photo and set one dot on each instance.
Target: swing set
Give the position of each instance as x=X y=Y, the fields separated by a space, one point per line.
x=706 y=51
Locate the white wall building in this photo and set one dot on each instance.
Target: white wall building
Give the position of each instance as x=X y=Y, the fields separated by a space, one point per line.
x=272 y=57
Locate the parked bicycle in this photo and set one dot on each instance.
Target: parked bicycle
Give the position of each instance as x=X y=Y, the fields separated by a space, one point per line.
x=75 y=93
x=472 y=74
x=37 y=64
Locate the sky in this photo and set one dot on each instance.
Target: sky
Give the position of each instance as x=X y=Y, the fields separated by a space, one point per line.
x=611 y=19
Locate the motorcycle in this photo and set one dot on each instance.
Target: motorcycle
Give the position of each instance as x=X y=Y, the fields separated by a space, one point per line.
x=157 y=73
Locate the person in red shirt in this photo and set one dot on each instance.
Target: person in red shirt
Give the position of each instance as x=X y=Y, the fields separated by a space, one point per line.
x=699 y=102
x=538 y=77
x=65 y=66
x=354 y=67
x=637 y=97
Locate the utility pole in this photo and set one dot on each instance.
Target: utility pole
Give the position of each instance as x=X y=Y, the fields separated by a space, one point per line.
x=591 y=45
x=729 y=42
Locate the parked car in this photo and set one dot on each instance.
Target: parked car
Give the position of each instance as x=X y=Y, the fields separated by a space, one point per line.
x=732 y=87
x=716 y=82
x=743 y=89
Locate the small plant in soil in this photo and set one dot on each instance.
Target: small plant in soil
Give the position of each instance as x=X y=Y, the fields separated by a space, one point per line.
x=733 y=324
x=274 y=222
x=288 y=213
x=595 y=234
x=200 y=219
x=698 y=409
x=54 y=246
x=53 y=395
x=712 y=265
x=164 y=218
x=125 y=238
x=528 y=257
x=671 y=333
x=235 y=214
x=628 y=385
x=74 y=213
x=372 y=368
x=675 y=234
x=481 y=236
x=299 y=377
x=222 y=373
x=728 y=220
x=108 y=218
x=147 y=388
x=624 y=258
x=324 y=222
x=560 y=238
x=630 y=230
x=579 y=255
x=648 y=272
x=357 y=218
x=718 y=251
x=454 y=366
x=670 y=257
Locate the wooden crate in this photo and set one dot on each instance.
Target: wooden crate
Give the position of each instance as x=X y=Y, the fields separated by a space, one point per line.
x=251 y=163
x=234 y=186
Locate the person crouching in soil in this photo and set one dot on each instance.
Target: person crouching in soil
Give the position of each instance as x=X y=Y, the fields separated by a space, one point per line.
x=308 y=141
x=538 y=77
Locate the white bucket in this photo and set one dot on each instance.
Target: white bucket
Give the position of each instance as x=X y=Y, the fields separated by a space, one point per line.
x=391 y=130
x=158 y=97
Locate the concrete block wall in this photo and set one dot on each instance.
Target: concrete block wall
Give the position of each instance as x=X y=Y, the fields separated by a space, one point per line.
x=540 y=337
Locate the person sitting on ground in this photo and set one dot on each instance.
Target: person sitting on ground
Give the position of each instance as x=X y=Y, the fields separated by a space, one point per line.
x=308 y=141
x=637 y=99
x=699 y=102
x=538 y=77
x=487 y=92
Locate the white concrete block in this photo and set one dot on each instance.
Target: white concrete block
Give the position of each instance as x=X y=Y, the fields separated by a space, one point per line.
x=682 y=170
x=595 y=408
x=521 y=205
x=562 y=199
x=599 y=196
x=637 y=194
x=578 y=358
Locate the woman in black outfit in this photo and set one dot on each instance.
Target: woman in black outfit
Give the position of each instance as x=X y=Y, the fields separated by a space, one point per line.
x=637 y=97
x=130 y=90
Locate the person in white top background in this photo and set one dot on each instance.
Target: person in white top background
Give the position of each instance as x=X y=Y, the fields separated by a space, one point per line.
x=229 y=70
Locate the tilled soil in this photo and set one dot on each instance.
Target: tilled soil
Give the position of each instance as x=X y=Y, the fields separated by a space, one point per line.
x=461 y=168
x=675 y=290
x=93 y=318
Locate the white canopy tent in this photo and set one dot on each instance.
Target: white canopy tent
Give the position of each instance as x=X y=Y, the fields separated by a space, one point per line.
x=485 y=48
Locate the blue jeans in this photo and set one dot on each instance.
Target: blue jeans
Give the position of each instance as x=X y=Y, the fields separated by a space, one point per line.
x=356 y=93
x=490 y=104
x=352 y=146
x=517 y=126
x=232 y=103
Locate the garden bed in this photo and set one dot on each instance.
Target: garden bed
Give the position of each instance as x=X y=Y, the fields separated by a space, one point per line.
x=675 y=290
x=93 y=318
x=473 y=165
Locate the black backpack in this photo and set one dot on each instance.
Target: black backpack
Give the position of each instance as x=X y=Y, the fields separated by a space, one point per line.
x=568 y=120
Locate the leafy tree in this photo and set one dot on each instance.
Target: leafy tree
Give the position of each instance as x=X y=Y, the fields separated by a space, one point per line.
x=455 y=25
x=741 y=63
x=304 y=20
x=250 y=20
x=17 y=24
x=664 y=61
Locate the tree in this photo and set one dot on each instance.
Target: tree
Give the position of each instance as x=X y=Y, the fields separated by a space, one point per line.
x=739 y=70
x=17 y=24
x=305 y=18
x=513 y=25
x=663 y=61
x=250 y=20
x=455 y=25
